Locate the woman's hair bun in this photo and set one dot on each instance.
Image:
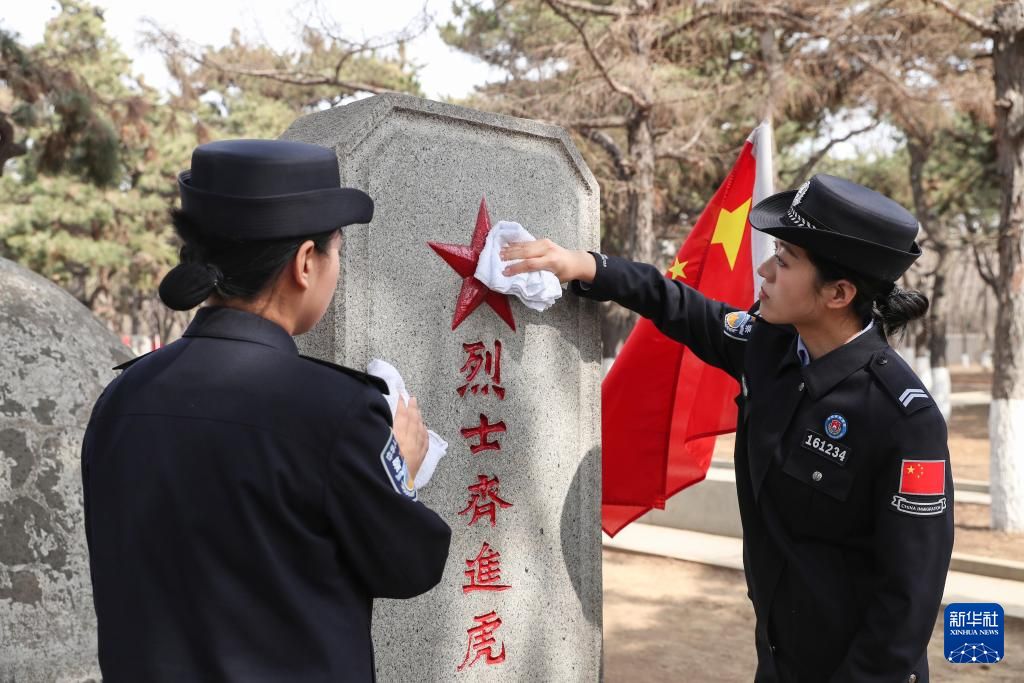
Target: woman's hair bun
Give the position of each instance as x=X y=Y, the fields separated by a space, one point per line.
x=900 y=306
x=189 y=284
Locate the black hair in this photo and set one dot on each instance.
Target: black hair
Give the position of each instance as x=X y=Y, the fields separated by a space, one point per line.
x=231 y=269
x=885 y=302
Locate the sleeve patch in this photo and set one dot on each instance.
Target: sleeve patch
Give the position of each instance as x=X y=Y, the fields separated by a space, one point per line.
x=925 y=508
x=738 y=325
x=395 y=468
x=921 y=478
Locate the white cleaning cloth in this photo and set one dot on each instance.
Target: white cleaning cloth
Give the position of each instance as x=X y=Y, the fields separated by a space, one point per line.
x=396 y=387
x=537 y=290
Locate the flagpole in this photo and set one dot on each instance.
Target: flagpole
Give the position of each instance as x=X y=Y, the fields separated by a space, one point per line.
x=761 y=245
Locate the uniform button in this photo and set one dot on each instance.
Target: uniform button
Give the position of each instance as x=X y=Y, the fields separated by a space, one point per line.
x=800 y=387
x=913 y=677
x=883 y=361
x=816 y=476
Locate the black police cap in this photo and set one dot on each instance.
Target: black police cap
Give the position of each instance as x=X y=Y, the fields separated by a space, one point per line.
x=845 y=223
x=253 y=190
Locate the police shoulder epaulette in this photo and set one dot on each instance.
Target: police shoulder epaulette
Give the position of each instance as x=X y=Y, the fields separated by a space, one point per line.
x=899 y=381
x=372 y=380
x=133 y=361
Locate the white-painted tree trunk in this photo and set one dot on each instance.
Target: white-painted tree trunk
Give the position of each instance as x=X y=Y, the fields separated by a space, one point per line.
x=923 y=368
x=1006 y=422
x=941 y=389
x=1006 y=465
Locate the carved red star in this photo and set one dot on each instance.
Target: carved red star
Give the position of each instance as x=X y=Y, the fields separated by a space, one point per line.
x=463 y=258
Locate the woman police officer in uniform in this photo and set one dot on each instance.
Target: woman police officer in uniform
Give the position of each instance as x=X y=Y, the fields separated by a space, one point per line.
x=245 y=504
x=842 y=466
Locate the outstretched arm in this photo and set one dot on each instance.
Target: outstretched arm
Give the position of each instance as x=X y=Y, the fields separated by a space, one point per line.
x=681 y=312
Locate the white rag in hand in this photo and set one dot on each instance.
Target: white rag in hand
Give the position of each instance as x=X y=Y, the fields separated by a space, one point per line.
x=538 y=290
x=396 y=387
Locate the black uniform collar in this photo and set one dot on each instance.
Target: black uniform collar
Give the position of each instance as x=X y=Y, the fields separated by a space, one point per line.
x=222 y=322
x=823 y=374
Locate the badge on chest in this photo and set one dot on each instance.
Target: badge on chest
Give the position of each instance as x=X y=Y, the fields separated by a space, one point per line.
x=827 y=448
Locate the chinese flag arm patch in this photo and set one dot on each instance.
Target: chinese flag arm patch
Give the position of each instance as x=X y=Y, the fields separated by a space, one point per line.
x=923 y=477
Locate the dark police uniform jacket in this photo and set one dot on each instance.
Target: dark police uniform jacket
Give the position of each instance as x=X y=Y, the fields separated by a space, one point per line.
x=845 y=572
x=243 y=507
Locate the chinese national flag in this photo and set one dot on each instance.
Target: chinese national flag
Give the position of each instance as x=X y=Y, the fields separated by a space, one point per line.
x=923 y=477
x=662 y=407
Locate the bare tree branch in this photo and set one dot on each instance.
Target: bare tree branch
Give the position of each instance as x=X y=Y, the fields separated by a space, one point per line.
x=801 y=173
x=889 y=78
x=599 y=122
x=676 y=155
x=331 y=28
x=603 y=10
x=681 y=153
x=623 y=167
x=170 y=43
x=624 y=90
x=984 y=267
x=981 y=260
x=294 y=78
x=963 y=16
x=734 y=13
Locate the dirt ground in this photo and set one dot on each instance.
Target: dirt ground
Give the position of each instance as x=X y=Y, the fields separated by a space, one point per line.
x=973 y=535
x=968 y=442
x=672 y=621
x=968 y=450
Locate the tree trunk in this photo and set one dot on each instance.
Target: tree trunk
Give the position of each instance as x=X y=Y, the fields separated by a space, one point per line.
x=616 y=324
x=937 y=336
x=1006 y=417
x=772 y=57
x=922 y=363
x=935 y=329
x=641 y=243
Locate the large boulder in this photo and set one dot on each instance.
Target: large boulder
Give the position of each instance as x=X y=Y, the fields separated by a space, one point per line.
x=55 y=359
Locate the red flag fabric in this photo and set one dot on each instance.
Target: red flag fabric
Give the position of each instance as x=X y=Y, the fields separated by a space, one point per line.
x=923 y=477
x=662 y=407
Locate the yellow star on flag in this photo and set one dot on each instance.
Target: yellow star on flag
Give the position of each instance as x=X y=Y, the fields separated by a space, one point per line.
x=729 y=231
x=677 y=270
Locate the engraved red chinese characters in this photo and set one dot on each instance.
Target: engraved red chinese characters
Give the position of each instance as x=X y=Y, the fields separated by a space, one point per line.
x=482 y=642
x=482 y=431
x=484 y=571
x=479 y=358
x=484 y=500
